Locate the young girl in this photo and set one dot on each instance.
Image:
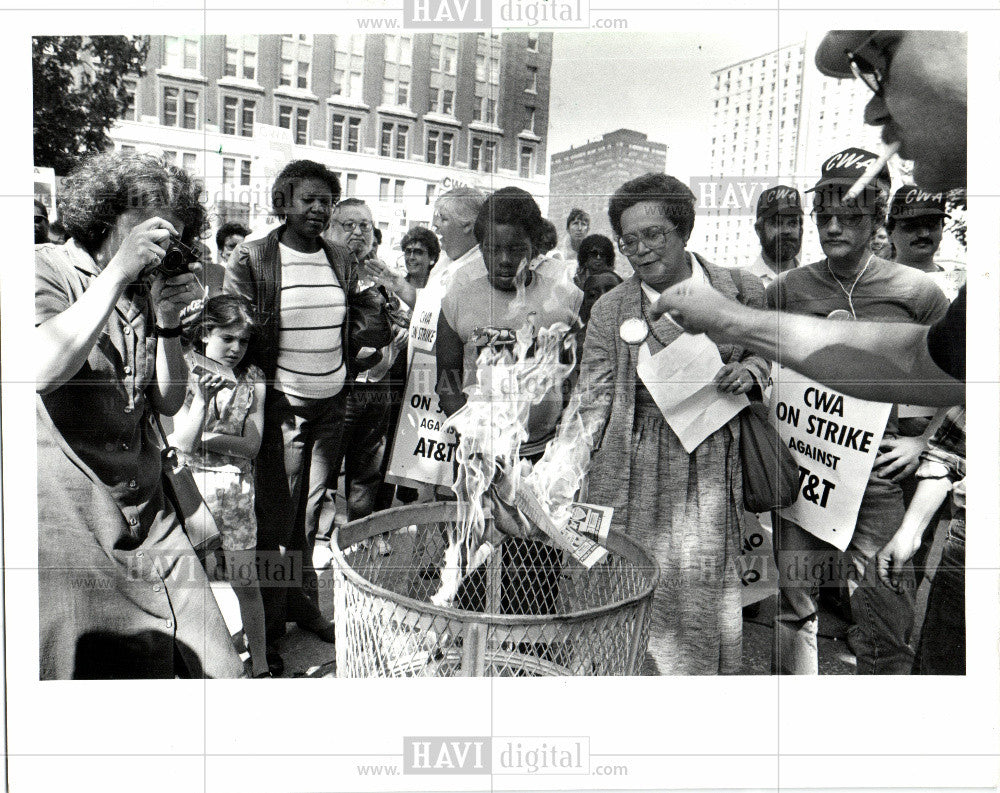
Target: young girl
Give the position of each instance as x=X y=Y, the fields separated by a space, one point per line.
x=218 y=433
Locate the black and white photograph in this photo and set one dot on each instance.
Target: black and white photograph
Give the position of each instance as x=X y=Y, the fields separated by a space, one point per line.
x=494 y=340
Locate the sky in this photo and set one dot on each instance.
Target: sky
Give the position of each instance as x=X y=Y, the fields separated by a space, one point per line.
x=656 y=83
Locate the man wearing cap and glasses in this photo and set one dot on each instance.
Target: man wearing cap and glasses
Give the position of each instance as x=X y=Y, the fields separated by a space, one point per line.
x=919 y=81
x=779 y=229
x=851 y=283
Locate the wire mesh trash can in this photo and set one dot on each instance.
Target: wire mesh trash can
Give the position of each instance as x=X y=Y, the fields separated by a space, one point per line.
x=528 y=611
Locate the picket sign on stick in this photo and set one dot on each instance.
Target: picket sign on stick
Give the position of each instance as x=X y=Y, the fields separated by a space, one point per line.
x=835 y=439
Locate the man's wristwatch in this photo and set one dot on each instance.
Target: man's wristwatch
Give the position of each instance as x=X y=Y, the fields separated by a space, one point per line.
x=169 y=333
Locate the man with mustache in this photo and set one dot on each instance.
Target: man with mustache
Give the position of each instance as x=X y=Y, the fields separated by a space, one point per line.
x=922 y=103
x=779 y=228
x=916 y=225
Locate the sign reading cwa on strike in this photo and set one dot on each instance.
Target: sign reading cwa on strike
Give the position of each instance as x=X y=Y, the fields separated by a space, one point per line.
x=834 y=438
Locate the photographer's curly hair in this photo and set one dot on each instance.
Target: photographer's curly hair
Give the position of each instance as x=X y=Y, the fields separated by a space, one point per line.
x=105 y=186
x=672 y=194
x=425 y=237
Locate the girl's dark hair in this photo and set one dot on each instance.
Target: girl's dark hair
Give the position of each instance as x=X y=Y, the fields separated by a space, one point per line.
x=511 y=206
x=672 y=194
x=296 y=171
x=105 y=186
x=550 y=239
x=221 y=311
x=599 y=243
x=425 y=237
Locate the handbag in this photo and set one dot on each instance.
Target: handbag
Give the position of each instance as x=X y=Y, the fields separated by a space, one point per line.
x=770 y=473
x=179 y=486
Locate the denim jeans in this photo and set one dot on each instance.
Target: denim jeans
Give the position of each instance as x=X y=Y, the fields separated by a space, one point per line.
x=942 y=641
x=883 y=619
x=301 y=439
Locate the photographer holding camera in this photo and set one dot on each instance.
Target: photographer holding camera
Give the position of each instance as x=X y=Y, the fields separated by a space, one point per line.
x=122 y=594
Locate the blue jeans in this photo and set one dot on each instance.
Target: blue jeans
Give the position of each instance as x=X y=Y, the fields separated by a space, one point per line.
x=942 y=642
x=883 y=619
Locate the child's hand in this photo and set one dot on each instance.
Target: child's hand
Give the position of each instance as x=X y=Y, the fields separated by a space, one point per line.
x=209 y=385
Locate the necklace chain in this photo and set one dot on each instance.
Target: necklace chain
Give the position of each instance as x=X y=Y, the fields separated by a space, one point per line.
x=849 y=293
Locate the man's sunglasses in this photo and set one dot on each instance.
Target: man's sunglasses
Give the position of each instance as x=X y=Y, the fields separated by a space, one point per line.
x=872 y=75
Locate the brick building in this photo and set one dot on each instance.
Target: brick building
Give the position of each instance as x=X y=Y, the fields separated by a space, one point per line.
x=399 y=118
x=586 y=176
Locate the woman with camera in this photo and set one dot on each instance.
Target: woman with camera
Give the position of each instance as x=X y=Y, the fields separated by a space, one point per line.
x=121 y=592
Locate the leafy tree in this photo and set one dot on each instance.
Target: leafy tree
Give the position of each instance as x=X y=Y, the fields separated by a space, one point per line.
x=79 y=93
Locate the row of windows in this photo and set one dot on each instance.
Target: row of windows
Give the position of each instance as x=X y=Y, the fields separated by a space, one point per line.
x=183 y=52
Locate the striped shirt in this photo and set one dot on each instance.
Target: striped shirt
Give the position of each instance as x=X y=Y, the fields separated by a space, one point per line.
x=313 y=311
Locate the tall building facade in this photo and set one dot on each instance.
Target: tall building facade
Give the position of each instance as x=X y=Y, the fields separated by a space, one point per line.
x=586 y=176
x=776 y=119
x=400 y=119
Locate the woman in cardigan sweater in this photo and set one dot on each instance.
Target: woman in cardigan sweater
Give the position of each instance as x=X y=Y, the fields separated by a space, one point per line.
x=685 y=508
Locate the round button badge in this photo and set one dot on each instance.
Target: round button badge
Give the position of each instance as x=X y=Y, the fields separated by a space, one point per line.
x=634 y=331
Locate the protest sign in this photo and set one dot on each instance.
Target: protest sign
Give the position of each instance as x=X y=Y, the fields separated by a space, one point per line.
x=757 y=568
x=422 y=451
x=835 y=439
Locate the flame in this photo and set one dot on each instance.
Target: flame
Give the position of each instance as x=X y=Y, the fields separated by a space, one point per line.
x=492 y=426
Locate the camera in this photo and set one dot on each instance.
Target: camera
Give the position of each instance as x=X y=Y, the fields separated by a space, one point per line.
x=175 y=261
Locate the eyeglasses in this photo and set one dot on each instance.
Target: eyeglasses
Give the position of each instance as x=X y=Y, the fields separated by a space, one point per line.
x=849 y=220
x=652 y=237
x=871 y=75
x=414 y=251
x=349 y=226
x=927 y=222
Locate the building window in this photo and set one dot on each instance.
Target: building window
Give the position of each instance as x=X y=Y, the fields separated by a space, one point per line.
x=241 y=57
x=128 y=112
x=169 y=157
x=439 y=146
x=348 y=65
x=392 y=142
x=295 y=119
x=532 y=87
x=529 y=118
x=526 y=167
x=180 y=108
x=351 y=185
x=444 y=54
x=181 y=52
x=189 y=162
x=238 y=116
x=396 y=75
x=487 y=84
x=483 y=155
x=345 y=133
x=532 y=42
x=397 y=195
x=383 y=190
x=228 y=170
x=429 y=198
x=296 y=57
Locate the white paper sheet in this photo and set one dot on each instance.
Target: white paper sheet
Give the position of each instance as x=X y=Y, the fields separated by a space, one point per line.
x=679 y=378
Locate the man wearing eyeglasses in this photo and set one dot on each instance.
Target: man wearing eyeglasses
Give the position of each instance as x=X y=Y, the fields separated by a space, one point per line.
x=919 y=82
x=851 y=283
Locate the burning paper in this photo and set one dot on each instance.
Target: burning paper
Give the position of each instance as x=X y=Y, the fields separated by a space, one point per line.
x=492 y=426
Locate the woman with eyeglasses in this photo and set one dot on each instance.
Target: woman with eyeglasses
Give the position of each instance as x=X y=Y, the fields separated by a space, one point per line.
x=685 y=508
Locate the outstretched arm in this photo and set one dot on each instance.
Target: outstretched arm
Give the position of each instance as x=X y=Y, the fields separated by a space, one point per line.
x=885 y=362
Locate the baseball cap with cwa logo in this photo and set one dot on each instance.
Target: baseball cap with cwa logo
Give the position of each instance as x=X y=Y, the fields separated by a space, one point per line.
x=842 y=170
x=913 y=201
x=779 y=200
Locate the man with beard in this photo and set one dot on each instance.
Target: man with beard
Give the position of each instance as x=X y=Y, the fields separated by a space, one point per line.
x=851 y=283
x=779 y=229
x=916 y=225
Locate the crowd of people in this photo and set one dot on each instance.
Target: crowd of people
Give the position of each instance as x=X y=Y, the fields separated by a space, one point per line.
x=284 y=361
